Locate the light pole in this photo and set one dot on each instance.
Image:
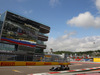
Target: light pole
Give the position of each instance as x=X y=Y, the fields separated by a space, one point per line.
x=51 y=50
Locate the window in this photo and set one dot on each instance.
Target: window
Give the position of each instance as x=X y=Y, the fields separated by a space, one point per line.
x=7 y=47
x=39 y=50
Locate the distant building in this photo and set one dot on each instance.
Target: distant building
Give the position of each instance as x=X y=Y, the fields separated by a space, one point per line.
x=21 y=39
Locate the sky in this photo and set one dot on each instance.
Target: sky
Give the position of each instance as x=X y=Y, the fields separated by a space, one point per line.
x=75 y=24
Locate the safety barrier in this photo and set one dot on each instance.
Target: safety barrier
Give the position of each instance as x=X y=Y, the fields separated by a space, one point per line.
x=96 y=59
x=82 y=60
x=85 y=62
x=19 y=63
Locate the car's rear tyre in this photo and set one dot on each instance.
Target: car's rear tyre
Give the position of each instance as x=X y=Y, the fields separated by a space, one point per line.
x=51 y=69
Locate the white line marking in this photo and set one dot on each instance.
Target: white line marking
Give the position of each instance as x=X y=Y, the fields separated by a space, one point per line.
x=17 y=71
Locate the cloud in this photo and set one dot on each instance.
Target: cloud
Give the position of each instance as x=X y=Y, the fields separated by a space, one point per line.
x=28 y=11
x=68 y=43
x=54 y=2
x=85 y=20
x=97 y=3
x=74 y=44
x=68 y=35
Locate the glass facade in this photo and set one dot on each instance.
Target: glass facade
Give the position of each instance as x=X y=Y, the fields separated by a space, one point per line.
x=39 y=50
x=40 y=42
x=26 y=49
x=15 y=57
x=43 y=34
x=18 y=30
x=7 y=47
x=2 y=17
x=19 y=38
x=7 y=57
x=18 y=34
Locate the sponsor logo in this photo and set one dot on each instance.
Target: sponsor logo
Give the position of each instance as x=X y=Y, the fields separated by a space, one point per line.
x=30 y=63
x=47 y=63
x=60 y=63
x=7 y=63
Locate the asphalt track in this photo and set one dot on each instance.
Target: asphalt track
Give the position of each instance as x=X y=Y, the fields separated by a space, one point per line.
x=24 y=70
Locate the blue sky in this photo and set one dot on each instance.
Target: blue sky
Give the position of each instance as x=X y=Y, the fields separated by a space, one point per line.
x=76 y=19
x=54 y=14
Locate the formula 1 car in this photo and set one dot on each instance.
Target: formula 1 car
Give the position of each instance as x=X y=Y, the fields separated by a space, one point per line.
x=61 y=68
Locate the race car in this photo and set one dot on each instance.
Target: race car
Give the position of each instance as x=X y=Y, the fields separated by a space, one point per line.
x=61 y=68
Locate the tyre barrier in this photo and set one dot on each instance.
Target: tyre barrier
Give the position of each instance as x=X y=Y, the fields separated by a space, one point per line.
x=19 y=63
x=77 y=70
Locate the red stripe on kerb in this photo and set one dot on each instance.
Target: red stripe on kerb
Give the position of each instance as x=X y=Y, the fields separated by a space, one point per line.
x=91 y=68
x=97 y=67
x=53 y=72
x=71 y=70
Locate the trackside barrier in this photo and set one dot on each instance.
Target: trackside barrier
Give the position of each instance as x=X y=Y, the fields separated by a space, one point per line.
x=18 y=63
x=77 y=70
x=86 y=62
x=96 y=59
